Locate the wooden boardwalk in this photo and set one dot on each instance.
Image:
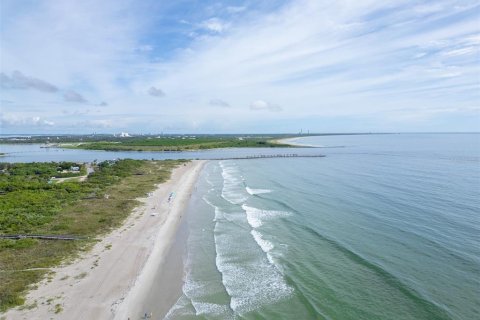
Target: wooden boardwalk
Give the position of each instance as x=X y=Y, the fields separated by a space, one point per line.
x=39 y=236
x=269 y=156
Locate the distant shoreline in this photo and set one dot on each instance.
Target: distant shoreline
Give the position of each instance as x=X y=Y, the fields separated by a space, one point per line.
x=165 y=143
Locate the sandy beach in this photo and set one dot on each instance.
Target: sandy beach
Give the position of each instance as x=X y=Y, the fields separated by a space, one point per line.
x=294 y=142
x=116 y=278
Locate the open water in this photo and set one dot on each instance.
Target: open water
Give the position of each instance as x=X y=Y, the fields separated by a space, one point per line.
x=384 y=227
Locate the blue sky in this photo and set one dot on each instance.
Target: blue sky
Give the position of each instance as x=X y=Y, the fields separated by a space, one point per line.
x=239 y=66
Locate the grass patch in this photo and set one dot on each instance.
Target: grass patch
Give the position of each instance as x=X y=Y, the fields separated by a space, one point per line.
x=58 y=308
x=78 y=208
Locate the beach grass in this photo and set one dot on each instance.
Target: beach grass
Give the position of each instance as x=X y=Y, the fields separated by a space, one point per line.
x=91 y=208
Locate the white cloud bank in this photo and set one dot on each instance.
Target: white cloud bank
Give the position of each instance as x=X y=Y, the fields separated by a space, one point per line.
x=316 y=59
x=13 y=120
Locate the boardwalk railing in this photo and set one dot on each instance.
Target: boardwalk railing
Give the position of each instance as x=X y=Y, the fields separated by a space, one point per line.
x=40 y=236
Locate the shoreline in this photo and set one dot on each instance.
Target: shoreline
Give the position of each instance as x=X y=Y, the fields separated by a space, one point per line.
x=144 y=296
x=292 y=142
x=113 y=279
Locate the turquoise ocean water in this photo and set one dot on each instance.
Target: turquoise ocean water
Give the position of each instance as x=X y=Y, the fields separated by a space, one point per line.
x=384 y=227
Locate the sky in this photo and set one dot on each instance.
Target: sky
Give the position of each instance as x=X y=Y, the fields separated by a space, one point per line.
x=239 y=66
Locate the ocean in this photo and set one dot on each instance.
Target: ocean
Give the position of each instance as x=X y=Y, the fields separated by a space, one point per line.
x=383 y=227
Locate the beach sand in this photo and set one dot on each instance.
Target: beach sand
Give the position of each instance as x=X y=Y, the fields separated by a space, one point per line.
x=293 y=142
x=125 y=274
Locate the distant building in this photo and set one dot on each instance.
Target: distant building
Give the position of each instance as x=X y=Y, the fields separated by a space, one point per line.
x=74 y=168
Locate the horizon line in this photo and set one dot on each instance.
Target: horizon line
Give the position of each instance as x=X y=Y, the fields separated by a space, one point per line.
x=242 y=133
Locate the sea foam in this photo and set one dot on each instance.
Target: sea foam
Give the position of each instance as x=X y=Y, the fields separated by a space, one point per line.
x=183 y=307
x=256 y=217
x=248 y=275
x=233 y=184
x=265 y=245
x=257 y=191
x=197 y=291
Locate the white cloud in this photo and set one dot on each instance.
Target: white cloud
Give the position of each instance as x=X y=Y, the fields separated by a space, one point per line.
x=462 y=51
x=37 y=121
x=263 y=105
x=235 y=9
x=15 y=120
x=323 y=60
x=214 y=25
